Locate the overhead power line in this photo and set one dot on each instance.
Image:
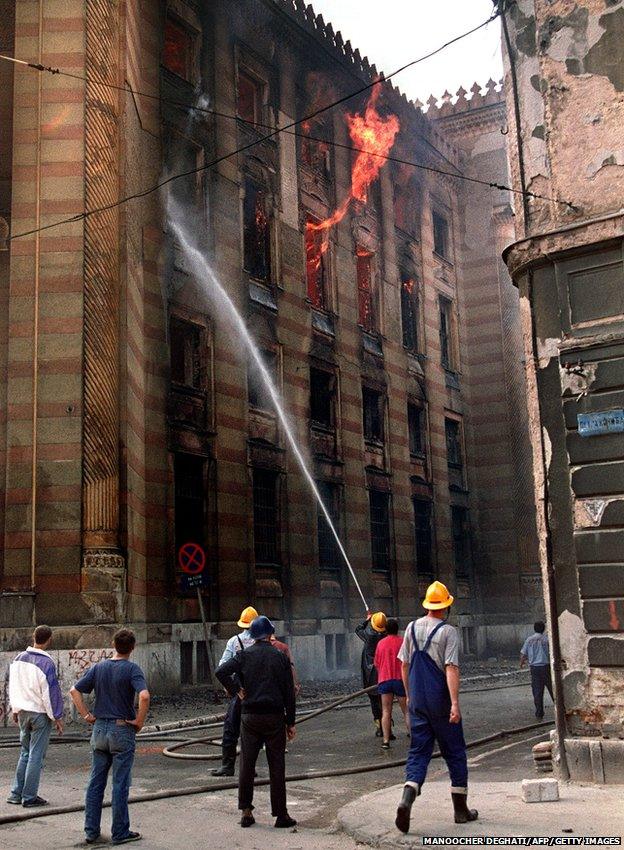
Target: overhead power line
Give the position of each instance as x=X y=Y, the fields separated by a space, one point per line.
x=274 y=132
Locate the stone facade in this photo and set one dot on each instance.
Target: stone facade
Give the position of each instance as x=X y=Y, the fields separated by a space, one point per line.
x=134 y=421
x=565 y=110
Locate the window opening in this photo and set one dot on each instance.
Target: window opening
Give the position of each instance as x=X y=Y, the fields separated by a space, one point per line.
x=330 y=559
x=372 y=406
x=185 y=344
x=409 y=312
x=316 y=263
x=461 y=541
x=440 y=235
x=189 y=505
x=257 y=391
x=322 y=385
x=315 y=151
x=446 y=345
x=364 y=267
x=380 y=531
x=265 y=512
x=423 y=538
x=178 y=49
x=249 y=98
x=256 y=232
x=453 y=443
x=415 y=417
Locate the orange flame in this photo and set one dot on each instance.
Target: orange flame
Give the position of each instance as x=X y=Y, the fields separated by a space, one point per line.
x=375 y=136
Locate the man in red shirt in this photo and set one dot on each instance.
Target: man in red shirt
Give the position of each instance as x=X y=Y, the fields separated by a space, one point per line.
x=389 y=679
x=283 y=647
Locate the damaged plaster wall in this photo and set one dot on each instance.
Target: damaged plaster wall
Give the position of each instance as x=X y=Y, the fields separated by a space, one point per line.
x=571 y=89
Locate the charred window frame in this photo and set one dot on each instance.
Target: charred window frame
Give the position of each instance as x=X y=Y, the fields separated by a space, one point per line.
x=189 y=473
x=322 y=399
x=373 y=409
x=179 y=52
x=447 y=358
x=460 y=527
x=256 y=231
x=329 y=557
x=251 y=94
x=416 y=429
x=441 y=235
x=188 y=350
x=454 y=450
x=423 y=534
x=316 y=247
x=381 y=551
x=409 y=311
x=257 y=393
x=315 y=146
x=266 y=518
x=365 y=287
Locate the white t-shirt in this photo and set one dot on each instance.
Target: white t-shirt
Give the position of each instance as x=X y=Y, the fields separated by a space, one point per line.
x=444 y=647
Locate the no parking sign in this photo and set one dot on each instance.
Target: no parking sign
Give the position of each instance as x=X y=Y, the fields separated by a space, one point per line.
x=192 y=563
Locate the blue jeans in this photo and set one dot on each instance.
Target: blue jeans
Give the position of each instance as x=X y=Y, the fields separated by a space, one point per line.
x=111 y=744
x=35 y=731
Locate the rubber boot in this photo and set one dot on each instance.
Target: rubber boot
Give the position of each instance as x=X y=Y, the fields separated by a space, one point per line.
x=228 y=760
x=378 y=732
x=404 y=809
x=462 y=813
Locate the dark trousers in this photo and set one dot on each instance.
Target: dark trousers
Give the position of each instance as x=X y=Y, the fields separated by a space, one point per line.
x=256 y=730
x=540 y=679
x=232 y=724
x=369 y=677
x=425 y=731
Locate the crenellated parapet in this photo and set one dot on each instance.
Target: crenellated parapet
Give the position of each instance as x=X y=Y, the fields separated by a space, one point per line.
x=445 y=105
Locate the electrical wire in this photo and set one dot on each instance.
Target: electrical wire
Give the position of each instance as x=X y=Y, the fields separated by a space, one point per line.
x=137 y=195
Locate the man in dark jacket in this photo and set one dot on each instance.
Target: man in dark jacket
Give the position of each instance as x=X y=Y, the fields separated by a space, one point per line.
x=371 y=631
x=267 y=691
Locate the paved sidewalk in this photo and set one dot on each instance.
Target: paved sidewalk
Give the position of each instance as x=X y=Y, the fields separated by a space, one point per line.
x=582 y=810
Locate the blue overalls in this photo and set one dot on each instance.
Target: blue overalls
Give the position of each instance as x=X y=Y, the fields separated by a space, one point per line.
x=430 y=707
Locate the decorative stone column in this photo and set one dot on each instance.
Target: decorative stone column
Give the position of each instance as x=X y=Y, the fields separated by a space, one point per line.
x=103 y=565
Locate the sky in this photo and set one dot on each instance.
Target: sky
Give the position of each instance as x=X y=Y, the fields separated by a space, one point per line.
x=393 y=32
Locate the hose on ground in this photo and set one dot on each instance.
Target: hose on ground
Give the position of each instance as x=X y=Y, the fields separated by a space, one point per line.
x=169 y=793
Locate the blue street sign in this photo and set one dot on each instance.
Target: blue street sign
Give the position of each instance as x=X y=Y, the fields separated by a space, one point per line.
x=606 y=422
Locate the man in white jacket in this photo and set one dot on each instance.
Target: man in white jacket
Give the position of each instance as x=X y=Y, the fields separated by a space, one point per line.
x=37 y=703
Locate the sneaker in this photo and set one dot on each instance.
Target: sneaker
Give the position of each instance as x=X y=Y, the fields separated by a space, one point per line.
x=14 y=801
x=247 y=820
x=36 y=801
x=385 y=745
x=96 y=839
x=131 y=836
x=284 y=822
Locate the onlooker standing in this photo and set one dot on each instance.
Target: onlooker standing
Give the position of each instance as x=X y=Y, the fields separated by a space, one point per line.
x=535 y=651
x=37 y=703
x=371 y=631
x=231 y=724
x=390 y=685
x=115 y=680
x=267 y=692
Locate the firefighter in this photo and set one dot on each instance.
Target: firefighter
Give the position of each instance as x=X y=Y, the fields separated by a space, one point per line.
x=430 y=672
x=371 y=631
x=231 y=724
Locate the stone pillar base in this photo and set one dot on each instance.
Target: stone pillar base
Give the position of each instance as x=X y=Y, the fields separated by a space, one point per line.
x=103 y=583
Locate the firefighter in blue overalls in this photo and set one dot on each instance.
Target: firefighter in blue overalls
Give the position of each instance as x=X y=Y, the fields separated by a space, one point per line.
x=232 y=722
x=430 y=670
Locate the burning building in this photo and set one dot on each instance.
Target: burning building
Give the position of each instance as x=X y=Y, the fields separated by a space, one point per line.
x=135 y=422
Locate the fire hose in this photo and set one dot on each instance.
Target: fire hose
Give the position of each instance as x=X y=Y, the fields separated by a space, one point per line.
x=168 y=793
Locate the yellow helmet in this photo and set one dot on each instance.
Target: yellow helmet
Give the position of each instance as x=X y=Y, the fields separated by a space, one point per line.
x=378 y=621
x=247 y=617
x=437 y=597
